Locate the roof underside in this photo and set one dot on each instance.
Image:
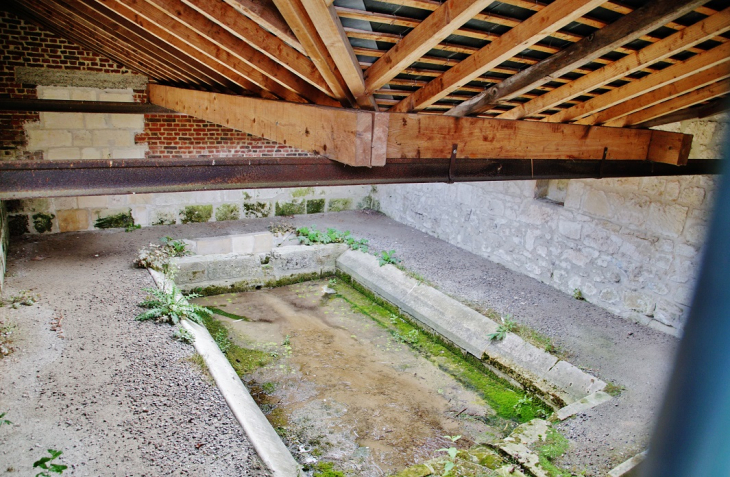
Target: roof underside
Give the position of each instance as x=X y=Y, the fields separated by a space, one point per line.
x=622 y=64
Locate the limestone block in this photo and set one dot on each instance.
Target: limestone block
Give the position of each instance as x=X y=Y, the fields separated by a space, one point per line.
x=666 y=219
x=243 y=244
x=65 y=203
x=91 y=153
x=52 y=92
x=141 y=216
x=671 y=190
x=140 y=198
x=122 y=95
x=569 y=229
x=93 y=202
x=62 y=120
x=213 y=245
x=596 y=203
x=81 y=137
x=96 y=121
x=112 y=137
x=233 y=266
x=190 y=270
x=134 y=152
x=62 y=153
x=127 y=121
x=84 y=94
x=72 y=220
x=118 y=200
x=692 y=196
x=42 y=139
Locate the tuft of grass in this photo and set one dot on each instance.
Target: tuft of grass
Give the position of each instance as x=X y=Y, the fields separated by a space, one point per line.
x=122 y=220
x=578 y=295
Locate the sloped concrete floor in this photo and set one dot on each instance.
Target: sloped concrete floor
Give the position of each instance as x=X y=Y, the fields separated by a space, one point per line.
x=89 y=390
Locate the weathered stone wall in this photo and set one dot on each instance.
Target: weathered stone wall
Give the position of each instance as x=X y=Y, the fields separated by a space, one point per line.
x=631 y=245
x=4 y=241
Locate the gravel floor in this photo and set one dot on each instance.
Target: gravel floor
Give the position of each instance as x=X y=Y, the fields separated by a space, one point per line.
x=118 y=397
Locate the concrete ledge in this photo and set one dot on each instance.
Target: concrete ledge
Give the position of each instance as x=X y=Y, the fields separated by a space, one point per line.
x=628 y=467
x=262 y=436
x=261 y=242
x=584 y=404
x=245 y=271
x=556 y=381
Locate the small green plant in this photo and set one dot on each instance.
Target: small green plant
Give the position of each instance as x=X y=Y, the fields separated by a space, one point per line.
x=578 y=295
x=132 y=227
x=326 y=469
x=508 y=325
x=554 y=446
x=157 y=257
x=181 y=334
x=221 y=339
x=388 y=257
x=333 y=281
x=48 y=466
x=310 y=235
x=3 y=421
x=286 y=341
x=24 y=298
x=614 y=389
x=170 y=306
x=411 y=337
x=122 y=220
x=451 y=451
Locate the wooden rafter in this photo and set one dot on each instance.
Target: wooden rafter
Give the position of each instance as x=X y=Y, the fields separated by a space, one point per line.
x=529 y=32
x=267 y=43
x=296 y=17
x=616 y=115
x=696 y=96
x=591 y=111
x=630 y=27
x=328 y=26
x=717 y=106
x=264 y=13
x=365 y=138
x=440 y=24
x=699 y=32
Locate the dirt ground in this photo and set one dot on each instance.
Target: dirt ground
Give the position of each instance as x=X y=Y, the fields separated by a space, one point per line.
x=119 y=398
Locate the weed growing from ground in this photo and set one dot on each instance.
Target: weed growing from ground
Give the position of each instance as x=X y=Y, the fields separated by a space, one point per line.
x=553 y=447
x=6 y=339
x=122 y=220
x=451 y=451
x=387 y=257
x=181 y=334
x=24 y=298
x=169 y=306
x=310 y=235
x=221 y=339
x=614 y=389
x=3 y=421
x=578 y=295
x=48 y=466
x=411 y=337
x=508 y=326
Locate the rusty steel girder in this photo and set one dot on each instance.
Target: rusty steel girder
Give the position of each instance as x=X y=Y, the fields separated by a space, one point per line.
x=33 y=179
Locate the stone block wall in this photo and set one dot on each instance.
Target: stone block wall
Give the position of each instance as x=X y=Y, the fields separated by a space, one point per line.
x=632 y=246
x=4 y=241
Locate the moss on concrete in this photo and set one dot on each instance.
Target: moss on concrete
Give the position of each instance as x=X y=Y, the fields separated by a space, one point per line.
x=43 y=222
x=303 y=192
x=244 y=286
x=227 y=212
x=368 y=202
x=338 y=205
x=18 y=225
x=256 y=209
x=290 y=208
x=315 y=206
x=196 y=213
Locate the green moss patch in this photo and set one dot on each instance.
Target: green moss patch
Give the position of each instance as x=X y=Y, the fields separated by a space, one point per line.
x=554 y=446
x=243 y=360
x=196 y=213
x=338 y=205
x=227 y=212
x=315 y=206
x=122 y=220
x=290 y=208
x=43 y=222
x=326 y=469
x=232 y=316
x=303 y=192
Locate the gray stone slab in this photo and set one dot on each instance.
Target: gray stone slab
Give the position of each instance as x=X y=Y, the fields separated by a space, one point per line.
x=573 y=380
x=583 y=404
x=242 y=243
x=234 y=266
x=627 y=466
x=213 y=245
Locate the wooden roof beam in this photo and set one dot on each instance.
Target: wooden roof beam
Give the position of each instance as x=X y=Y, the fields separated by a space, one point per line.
x=591 y=111
x=529 y=32
x=701 y=31
x=429 y=33
x=634 y=25
x=267 y=43
x=296 y=17
x=633 y=110
x=264 y=13
x=325 y=20
x=717 y=106
x=365 y=138
x=227 y=47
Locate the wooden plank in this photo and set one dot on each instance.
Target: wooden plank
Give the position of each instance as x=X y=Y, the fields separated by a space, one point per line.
x=628 y=28
x=529 y=32
x=712 y=108
x=669 y=148
x=429 y=33
x=339 y=134
x=699 y=32
x=419 y=136
x=585 y=111
x=328 y=26
x=296 y=16
x=259 y=68
x=267 y=43
x=675 y=102
x=379 y=147
x=703 y=61
x=265 y=14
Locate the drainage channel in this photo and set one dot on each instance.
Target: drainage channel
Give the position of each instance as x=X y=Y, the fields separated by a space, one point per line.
x=378 y=382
